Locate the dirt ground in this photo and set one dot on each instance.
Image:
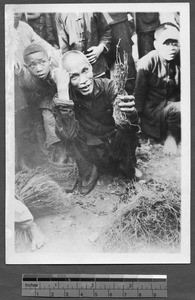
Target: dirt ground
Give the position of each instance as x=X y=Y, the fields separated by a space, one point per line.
x=81 y=226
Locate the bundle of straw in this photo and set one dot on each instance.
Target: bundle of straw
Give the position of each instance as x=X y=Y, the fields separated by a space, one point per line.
x=40 y=193
x=146 y=220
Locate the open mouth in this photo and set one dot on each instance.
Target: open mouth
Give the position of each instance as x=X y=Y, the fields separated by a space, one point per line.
x=172 y=54
x=41 y=75
x=86 y=88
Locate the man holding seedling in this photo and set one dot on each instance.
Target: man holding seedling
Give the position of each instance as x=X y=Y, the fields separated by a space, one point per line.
x=84 y=120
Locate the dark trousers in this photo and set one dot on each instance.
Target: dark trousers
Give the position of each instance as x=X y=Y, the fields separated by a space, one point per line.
x=121 y=31
x=171 y=119
x=145 y=42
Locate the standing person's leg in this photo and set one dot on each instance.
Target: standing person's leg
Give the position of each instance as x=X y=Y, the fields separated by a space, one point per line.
x=145 y=42
x=172 y=117
x=121 y=31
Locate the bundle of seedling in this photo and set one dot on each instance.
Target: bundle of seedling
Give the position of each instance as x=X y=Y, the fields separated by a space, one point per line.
x=40 y=193
x=147 y=219
x=120 y=75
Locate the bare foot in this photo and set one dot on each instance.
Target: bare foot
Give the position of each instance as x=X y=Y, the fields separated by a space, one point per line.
x=138 y=173
x=38 y=239
x=170 y=146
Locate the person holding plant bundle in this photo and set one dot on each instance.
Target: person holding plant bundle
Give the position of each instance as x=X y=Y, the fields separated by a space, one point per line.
x=85 y=121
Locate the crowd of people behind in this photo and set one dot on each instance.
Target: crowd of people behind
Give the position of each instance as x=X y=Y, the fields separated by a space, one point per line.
x=66 y=98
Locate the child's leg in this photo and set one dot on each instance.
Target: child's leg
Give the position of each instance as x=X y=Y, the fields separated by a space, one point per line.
x=173 y=118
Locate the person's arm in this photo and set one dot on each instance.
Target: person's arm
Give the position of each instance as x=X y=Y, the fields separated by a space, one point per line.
x=25 y=80
x=62 y=34
x=35 y=38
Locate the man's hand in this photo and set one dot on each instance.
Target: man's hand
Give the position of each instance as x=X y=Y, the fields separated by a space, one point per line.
x=94 y=52
x=127 y=103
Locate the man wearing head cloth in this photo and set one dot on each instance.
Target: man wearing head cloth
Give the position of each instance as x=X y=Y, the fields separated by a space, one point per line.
x=157 y=89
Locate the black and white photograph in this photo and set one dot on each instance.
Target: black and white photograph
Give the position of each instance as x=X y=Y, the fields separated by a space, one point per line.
x=97 y=133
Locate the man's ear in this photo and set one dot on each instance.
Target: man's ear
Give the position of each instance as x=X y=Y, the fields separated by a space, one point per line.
x=155 y=44
x=90 y=67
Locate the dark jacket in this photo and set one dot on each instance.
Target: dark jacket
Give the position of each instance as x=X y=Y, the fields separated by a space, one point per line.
x=157 y=82
x=39 y=92
x=95 y=112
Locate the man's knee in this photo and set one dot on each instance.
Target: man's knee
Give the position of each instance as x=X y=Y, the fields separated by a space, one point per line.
x=173 y=114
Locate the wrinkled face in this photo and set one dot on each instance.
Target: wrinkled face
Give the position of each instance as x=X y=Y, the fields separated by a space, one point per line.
x=169 y=49
x=38 y=64
x=17 y=17
x=81 y=75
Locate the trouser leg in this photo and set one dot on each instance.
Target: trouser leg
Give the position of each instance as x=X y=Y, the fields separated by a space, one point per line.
x=118 y=152
x=40 y=130
x=121 y=31
x=122 y=148
x=24 y=137
x=49 y=124
x=145 y=42
x=79 y=153
x=172 y=120
x=71 y=134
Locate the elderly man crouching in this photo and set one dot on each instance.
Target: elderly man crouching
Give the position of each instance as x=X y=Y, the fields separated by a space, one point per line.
x=83 y=110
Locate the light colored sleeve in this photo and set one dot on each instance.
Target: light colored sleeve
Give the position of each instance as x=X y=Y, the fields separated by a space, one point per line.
x=22 y=213
x=55 y=54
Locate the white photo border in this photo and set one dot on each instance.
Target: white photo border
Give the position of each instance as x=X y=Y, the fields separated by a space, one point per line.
x=101 y=258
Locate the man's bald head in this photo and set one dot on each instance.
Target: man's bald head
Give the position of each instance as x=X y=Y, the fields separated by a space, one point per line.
x=80 y=71
x=73 y=57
